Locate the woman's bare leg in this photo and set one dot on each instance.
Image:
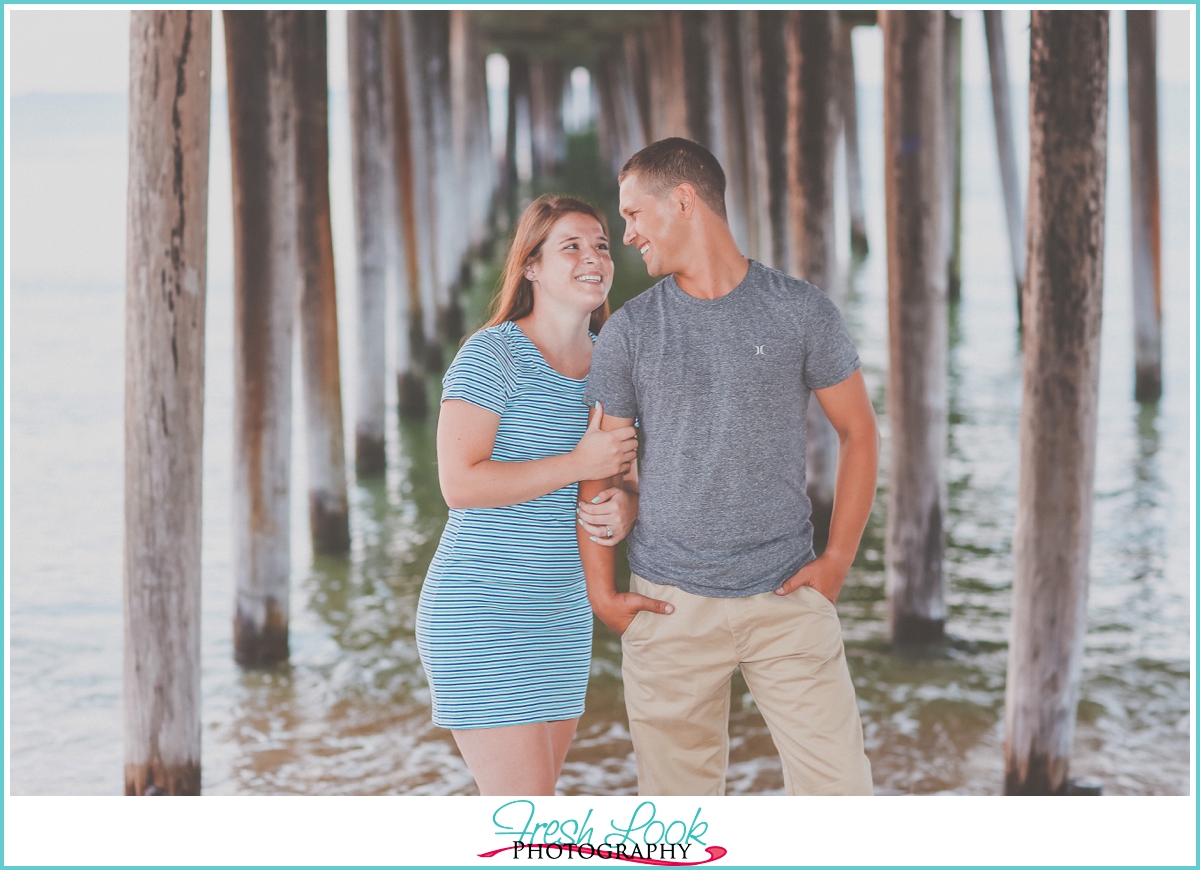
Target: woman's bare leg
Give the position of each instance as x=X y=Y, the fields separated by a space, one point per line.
x=516 y=759
x=561 y=735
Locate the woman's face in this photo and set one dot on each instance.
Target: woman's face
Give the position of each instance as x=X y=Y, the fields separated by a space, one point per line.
x=575 y=269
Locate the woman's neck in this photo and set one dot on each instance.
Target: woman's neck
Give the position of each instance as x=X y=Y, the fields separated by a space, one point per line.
x=562 y=337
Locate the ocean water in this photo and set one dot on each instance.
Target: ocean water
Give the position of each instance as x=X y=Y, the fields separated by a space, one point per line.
x=349 y=713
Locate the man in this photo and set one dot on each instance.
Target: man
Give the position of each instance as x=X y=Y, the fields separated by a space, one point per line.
x=717 y=361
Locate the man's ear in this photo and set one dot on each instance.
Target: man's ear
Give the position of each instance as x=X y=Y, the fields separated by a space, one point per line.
x=685 y=199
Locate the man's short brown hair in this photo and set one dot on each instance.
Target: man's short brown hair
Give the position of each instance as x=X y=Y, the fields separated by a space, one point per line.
x=669 y=163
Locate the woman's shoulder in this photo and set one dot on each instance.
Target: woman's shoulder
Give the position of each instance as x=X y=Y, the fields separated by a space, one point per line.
x=492 y=342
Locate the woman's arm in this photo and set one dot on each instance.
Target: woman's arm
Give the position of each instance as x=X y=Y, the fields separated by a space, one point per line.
x=470 y=478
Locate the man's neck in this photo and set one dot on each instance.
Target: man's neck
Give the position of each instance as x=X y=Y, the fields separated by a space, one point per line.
x=714 y=267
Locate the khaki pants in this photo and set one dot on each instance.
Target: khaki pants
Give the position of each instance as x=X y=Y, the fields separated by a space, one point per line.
x=677 y=671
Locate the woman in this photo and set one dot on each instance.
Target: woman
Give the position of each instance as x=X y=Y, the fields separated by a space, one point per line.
x=504 y=628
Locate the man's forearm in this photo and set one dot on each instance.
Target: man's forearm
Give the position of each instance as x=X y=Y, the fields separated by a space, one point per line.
x=599 y=563
x=854 y=494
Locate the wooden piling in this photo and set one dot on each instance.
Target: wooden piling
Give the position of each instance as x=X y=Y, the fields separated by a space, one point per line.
x=758 y=198
x=811 y=139
x=170 y=84
x=914 y=139
x=1141 y=50
x=847 y=91
x=367 y=142
x=696 y=78
x=773 y=94
x=434 y=34
x=993 y=25
x=258 y=51
x=636 y=68
x=483 y=189
x=328 y=512
x=547 y=80
x=666 y=76
x=518 y=94
x=953 y=188
x=417 y=79
x=1068 y=120
x=410 y=341
x=604 y=74
x=726 y=117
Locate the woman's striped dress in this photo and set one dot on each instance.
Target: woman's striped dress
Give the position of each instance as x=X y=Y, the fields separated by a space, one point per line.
x=504 y=628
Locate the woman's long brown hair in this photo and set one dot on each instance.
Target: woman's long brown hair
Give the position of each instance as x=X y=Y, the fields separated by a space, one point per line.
x=515 y=297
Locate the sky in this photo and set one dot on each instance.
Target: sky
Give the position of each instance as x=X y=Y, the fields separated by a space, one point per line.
x=87 y=51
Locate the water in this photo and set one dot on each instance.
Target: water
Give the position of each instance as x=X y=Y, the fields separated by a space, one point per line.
x=349 y=714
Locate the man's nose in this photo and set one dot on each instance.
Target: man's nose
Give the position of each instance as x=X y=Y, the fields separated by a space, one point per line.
x=629 y=234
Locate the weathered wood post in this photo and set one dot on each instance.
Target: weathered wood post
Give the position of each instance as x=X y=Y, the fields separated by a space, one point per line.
x=696 y=78
x=418 y=83
x=726 y=117
x=258 y=51
x=604 y=74
x=364 y=33
x=666 y=76
x=848 y=107
x=758 y=199
x=914 y=174
x=546 y=80
x=464 y=181
x=993 y=25
x=170 y=82
x=518 y=110
x=1068 y=118
x=1140 y=41
x=633 y=132
x=636 y=69
x=812 y=130
x=773 y=94
x=483 y=190
x=434 y=35
x=328 y=511
x=410 y=350
x=953 y=190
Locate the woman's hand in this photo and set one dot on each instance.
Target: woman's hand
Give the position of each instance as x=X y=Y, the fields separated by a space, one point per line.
x=609 y=517
x=600 y=454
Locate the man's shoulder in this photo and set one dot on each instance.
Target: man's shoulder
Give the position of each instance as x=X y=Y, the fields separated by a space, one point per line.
x=783 y=287
x=639 y=310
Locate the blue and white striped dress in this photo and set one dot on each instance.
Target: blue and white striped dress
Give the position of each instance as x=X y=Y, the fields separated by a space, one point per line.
x=504 y=628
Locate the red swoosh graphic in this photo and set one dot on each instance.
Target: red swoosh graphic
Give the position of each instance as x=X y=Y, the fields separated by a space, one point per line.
x=714 y=853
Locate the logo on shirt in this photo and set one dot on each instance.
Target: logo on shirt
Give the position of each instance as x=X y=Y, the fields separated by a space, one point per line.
x=760 y=350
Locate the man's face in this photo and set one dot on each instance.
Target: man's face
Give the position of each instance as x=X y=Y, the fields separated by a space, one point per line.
x=650 y=222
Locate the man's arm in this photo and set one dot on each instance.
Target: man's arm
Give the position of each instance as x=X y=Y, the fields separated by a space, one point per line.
x=848 y=408
x=615 y=609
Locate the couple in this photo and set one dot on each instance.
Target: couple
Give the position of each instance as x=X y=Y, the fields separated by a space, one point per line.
x=716 y=362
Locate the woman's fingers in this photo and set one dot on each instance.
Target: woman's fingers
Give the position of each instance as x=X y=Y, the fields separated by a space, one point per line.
x=598 y=532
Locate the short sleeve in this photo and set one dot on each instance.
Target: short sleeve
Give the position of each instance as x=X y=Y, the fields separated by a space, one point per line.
x=481 y=373
x=610 y=380
x=830 y=355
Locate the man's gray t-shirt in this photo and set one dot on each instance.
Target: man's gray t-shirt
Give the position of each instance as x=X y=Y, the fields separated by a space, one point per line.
x=721 y=388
